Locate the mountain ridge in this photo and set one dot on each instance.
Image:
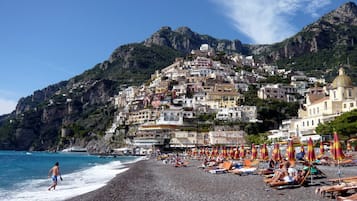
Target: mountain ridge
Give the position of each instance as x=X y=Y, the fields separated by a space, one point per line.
x=82 y=106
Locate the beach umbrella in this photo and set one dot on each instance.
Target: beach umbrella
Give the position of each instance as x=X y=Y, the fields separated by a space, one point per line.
x=236 y=153
x=202 y=152
x=290 y=151
x=213 y=151
x=264 y=155
x=276 y=156
x=337 y=149
x=224 y=152
x=231 y=152
x=322 y=149
x=216 y=151
x=310 y=153
x=242 y=152
x=337 y=152
x=254 y=152
x=194 y=152
x=207 y=153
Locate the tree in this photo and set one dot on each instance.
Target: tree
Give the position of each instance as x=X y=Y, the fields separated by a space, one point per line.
x=345 y=125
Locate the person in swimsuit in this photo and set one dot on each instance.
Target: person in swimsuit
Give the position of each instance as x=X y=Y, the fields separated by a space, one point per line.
x=54 y=173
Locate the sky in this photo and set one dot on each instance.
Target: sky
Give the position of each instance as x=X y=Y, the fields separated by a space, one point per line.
x=44 y=42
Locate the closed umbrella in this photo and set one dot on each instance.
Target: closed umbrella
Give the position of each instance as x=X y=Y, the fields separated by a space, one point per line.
x=254 y=152
x=322 y=149
x=231 y=153
x=236 y=153
x=310 y=151
x=215 y=152
x=224 y=152
x=276 y=156
x=310 y=154
x=337 y=149
x=264 y=155
x=207 y=153
x=242 y=152
x=290 y=151
x=337 y=152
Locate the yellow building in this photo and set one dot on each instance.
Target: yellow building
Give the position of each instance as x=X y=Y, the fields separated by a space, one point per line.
x=225 y=95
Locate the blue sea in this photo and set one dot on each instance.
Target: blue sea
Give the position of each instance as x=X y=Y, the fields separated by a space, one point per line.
x=23 y=175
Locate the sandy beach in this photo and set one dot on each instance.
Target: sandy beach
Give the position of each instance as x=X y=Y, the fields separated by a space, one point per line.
x=151 y=180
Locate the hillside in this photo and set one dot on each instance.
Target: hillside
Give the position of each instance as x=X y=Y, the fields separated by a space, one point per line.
x=320 y=47
x=81 y=108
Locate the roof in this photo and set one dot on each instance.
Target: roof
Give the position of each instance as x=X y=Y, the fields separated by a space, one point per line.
x=342 y=80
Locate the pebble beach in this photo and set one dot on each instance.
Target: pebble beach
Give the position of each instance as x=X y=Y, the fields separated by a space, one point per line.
x=150 y=180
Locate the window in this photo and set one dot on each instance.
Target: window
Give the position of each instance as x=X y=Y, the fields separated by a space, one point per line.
x=312 y=122
x=344 y=105
x=325 y=105
x=349 y=92
x=351 y=104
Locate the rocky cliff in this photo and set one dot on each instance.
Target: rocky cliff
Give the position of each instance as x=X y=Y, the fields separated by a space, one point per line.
x=324 y=44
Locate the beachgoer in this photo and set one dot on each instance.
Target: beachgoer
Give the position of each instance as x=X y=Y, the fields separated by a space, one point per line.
x=54 y=173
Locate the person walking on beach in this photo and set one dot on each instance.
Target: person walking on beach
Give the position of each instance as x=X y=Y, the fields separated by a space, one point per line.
x=55 y=172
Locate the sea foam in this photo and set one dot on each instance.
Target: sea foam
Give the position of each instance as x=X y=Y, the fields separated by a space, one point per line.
x=73 y=184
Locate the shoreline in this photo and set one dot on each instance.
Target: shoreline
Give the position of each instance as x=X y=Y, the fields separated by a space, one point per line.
x=152 y=180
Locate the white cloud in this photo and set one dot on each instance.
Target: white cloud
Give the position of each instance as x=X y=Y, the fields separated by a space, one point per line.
x=268 y=21
x=7 y=106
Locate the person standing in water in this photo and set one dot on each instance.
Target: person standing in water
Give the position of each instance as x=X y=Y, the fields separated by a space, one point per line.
x=54 y=173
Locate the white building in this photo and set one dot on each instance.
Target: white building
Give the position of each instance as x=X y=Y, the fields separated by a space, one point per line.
x=324 y=105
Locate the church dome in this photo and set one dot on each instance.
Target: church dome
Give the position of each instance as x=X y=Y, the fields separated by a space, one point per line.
x=342 y=80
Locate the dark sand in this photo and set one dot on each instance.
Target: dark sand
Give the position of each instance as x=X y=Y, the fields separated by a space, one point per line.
x=151 y=180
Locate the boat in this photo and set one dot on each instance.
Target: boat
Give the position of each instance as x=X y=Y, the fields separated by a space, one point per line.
x=75 y=149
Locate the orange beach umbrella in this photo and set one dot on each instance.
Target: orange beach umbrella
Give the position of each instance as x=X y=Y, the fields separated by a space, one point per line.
x=337 y=153
x=231 y=152
x=264 y=155
x=290 y=151
x=276 y=156
x=322 y=149
x=236 y=153
x=242 y=152
x=207 y=152
x=215 y=152
x=254 y=152
x=225 y=152
x=310 y=151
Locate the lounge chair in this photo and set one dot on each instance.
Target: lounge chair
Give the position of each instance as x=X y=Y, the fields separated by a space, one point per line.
x=249 y=167
x=344 y=179
x=288 y=185
x=334 y=192
x=352 y=197
x=222 y=168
